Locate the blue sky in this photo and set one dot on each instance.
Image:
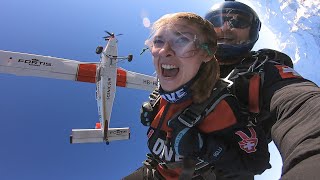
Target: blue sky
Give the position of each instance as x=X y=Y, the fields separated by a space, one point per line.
x=37 y=115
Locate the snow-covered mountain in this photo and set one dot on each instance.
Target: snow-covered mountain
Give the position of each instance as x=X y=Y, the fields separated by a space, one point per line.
x=292 y=27
x=295 y=25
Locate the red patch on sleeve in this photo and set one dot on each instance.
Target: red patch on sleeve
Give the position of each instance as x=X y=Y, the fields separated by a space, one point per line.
x=287 y=72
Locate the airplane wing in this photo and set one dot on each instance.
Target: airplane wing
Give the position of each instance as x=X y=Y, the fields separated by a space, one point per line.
x=23 y=64
x=135 y=80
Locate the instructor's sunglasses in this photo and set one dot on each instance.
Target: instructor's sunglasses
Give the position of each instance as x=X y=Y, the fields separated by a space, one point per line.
x=240 y=22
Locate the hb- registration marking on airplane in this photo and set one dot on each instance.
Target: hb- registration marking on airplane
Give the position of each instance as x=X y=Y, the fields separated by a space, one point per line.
x=105 y=74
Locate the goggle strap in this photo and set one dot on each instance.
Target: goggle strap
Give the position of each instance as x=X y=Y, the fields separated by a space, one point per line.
x=206 y=47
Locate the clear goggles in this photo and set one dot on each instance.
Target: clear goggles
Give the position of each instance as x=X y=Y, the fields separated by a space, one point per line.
x=184 y=44
x=234 y=21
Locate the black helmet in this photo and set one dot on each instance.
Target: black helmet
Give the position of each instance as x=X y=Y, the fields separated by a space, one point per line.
x=227 y=51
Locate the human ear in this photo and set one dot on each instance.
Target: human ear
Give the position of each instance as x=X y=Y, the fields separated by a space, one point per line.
x=207 y=58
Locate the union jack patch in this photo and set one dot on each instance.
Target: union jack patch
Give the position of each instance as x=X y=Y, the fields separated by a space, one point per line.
x=287 y=72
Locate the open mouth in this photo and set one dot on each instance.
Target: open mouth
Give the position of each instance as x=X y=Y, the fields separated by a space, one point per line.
x=169 y=70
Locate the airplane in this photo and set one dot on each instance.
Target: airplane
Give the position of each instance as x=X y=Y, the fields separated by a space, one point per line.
x=105 y=74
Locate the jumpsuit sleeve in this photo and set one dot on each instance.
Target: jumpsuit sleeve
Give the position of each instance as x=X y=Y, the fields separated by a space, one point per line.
x=294 y=105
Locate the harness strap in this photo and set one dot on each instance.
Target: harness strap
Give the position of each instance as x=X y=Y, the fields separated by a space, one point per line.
x=251 y=77
x=254 y=94
x=193 y=114
x=202 y=168
x=275 y=55
x=154 y=98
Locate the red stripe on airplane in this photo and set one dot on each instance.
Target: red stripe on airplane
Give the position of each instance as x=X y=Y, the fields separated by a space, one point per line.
x=87 y=73
x=121 y=78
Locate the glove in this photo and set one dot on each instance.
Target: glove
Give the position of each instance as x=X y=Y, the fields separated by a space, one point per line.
x=146 y=114
x=149 y=109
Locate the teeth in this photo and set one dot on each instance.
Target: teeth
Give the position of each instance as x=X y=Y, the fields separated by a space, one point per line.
x=168 y=66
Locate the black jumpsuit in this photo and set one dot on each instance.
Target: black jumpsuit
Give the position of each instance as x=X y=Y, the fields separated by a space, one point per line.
x=293 y=104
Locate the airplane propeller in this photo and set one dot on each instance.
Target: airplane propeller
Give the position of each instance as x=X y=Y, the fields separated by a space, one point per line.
x=110 y=35
x=99 y=49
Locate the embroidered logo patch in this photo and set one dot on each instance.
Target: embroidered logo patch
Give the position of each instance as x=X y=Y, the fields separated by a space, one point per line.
x=248 y=144
x=287 y=72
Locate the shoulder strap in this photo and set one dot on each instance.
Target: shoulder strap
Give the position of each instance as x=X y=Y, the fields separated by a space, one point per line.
x=248 y=81
x=274 y=55
x=193 y=114
x=154 y=99
x=256 y=71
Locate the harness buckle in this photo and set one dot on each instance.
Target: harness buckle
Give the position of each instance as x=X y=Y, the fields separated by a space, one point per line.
x=151 y=162
x=252 y=120
x=189 y=118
